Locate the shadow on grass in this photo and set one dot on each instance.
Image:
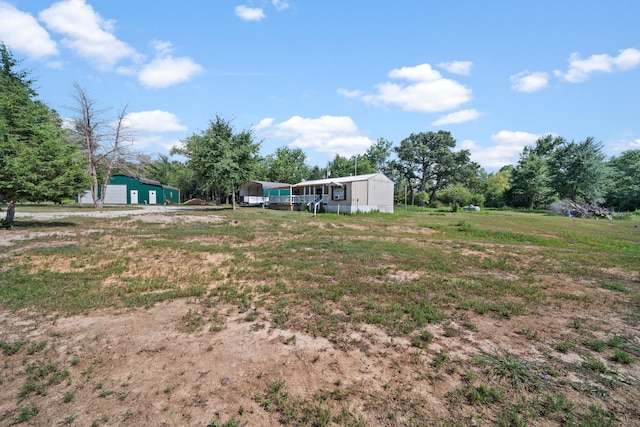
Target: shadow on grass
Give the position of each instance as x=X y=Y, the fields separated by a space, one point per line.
x=35 y=224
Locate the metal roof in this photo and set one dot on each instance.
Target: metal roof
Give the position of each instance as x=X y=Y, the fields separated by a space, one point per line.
x=337 y=181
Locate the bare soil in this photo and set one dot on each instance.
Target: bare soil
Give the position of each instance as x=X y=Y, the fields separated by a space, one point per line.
x=145 y=366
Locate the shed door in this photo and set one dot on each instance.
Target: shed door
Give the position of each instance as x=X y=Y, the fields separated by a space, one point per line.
x=152 y=197
x=134 y=197
x=116 y=195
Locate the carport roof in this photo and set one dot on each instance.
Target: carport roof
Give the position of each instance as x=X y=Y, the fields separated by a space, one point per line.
x=267 y=184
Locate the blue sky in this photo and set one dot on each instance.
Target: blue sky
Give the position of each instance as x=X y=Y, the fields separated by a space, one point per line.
x=333 y=76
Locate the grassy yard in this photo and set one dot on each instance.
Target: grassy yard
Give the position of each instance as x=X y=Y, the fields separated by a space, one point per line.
x=505 y=318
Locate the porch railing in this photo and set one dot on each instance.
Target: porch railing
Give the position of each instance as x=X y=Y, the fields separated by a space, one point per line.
x=310 y=198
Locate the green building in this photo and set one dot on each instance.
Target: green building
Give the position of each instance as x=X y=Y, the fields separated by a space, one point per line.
x=128 y=190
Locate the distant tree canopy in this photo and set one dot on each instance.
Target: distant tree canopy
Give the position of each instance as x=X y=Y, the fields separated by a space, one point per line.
x=37 y=162
x=42 y=161
x=221 y=158
x=624 y=188
x=557 y=169
x=287 y=165
x=356 y=165
x=427 y=160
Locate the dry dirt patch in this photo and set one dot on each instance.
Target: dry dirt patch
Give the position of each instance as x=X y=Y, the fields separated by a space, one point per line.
x=139 y=367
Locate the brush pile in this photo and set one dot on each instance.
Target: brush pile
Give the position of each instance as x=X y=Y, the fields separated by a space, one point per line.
x=580 y=210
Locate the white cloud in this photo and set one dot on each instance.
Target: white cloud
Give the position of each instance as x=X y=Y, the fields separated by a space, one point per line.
x=329 y=135
x=87 y=33
x=351 y=93
x=517 y=138
x=149 y=129
x=155 y=121
x=21 y=32
x=579 y=69
x=506 y=150
x=461 y=116
x=457 y=67
x=428 y=93
x=165 y=70
x=419 y=73
x=619 y=147
x=280 y=4
x=162 y=47
x=154 y=143
x=526 y=81
x=249 y=13
x=264 y=124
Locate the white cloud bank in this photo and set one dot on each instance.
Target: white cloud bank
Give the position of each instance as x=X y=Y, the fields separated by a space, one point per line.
x=580 y=69
x=618 y=147
x=426 y=91
x=87 y=34
x=458 y=117
x=247 y=13
x=329 y=135
x=150 y=129
x=21 y=31
x=526 y=81
x=91 y=37
x=506 y=150
x=462 y=68
x=165 y=70
x=155 y=121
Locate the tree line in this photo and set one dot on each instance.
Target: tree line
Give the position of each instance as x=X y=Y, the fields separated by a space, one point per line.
x=42 y=159
x=425 y=167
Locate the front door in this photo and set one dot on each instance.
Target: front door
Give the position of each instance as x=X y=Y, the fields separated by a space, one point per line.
x=152 y=197
x=134 y=197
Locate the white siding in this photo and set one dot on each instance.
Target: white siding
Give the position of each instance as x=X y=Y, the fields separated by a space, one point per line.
x=116 y=195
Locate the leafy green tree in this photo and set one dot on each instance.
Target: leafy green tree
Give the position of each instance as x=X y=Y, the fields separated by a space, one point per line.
x=456 y=195
x=579 y=171
x=547 y=145
x=316 y=172
x=497 y=187
x=530 y=184
x=174 y=173
x=405 y=181
x=428 y=158
x=286 y=165
x=624 y=192
x=221 y=158
x=341 y=166
x=36 y=161
x=378 y=155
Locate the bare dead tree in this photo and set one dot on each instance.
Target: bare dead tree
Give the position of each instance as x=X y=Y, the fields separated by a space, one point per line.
x=105 y=143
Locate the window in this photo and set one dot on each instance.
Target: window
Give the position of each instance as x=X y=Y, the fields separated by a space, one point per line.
x=339 y=193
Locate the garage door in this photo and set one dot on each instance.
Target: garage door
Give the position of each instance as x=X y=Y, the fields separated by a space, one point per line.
x=116 y=195
x=85 y=197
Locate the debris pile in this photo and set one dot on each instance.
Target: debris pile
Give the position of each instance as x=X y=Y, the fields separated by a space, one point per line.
x=580 y=210
x=195 y=202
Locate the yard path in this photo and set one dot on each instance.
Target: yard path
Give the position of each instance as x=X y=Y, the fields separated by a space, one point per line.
x=7 y=237
x=98 y=213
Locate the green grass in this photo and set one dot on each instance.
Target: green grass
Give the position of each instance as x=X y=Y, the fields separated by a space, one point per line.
x=330 y=275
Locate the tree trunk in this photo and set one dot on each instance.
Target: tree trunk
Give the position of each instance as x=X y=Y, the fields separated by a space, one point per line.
x=233 y=198
x=432 y=197
x=11 y=211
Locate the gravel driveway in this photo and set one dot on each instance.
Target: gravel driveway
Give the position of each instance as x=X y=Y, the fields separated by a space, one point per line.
x=140 y=210
x=7 y=237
